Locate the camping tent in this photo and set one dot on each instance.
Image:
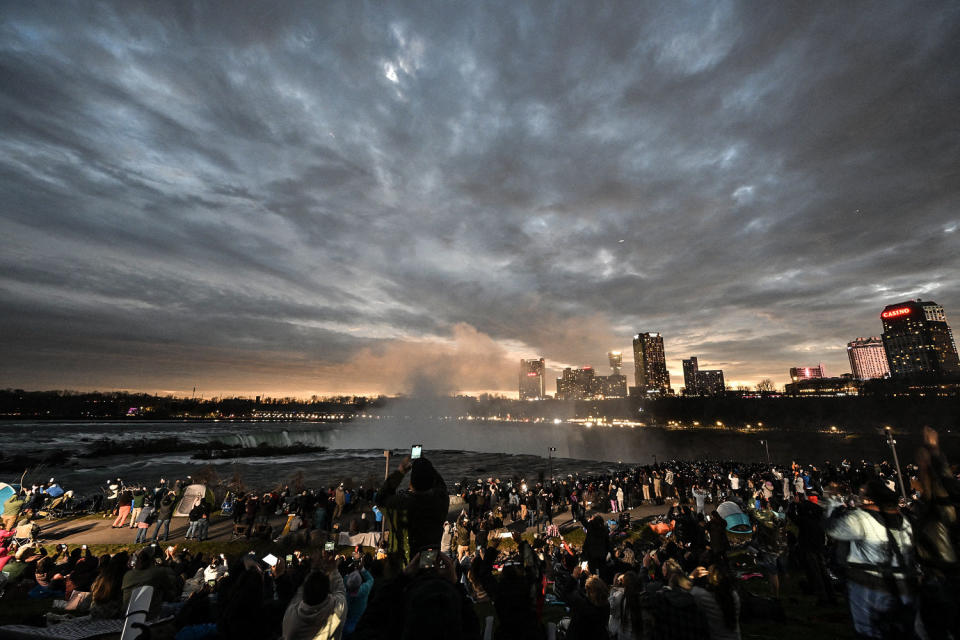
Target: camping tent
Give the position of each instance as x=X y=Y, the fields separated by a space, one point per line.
x=190 y=496
x=5 y=492
x=736 y=520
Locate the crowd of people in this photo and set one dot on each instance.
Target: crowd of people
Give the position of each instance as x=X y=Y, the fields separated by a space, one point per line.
x=841 y=531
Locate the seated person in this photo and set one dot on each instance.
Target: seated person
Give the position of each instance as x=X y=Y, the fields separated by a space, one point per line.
x=146 y=572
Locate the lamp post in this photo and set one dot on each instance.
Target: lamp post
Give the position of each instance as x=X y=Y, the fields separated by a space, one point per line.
x=386 y=474
x=550 y=457
x=896 y=462
x=766 y=447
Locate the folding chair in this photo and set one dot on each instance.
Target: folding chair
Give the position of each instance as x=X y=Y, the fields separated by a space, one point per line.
x=137 y=612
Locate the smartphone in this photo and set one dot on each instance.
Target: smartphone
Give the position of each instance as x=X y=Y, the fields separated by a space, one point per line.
x=289 y=558
x=415 y=451
x=584 y=565
x=84 y=547
x=329 y=546
x=428 y=558
x=270 y=559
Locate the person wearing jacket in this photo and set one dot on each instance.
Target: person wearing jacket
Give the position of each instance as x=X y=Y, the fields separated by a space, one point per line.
x=358 y=585
x=123 y=508
x=139 y=495
x=197 y=512
x=589 y=609
x=11 y=511
x=203 y=526
x=144 y=519
x=880 y=562
x=319 y=608
x=596 y=544
x=937 y=532
x=164 y=515
x=416 y=517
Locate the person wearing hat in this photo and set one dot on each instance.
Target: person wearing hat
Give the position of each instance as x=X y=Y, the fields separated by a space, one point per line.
x=359 y=583
x=416 y=516
x=881 y=573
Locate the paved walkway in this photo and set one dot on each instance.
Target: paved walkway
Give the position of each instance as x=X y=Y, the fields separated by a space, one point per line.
x=97 y=530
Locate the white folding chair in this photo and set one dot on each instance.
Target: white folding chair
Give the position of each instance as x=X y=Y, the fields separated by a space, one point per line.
x=488 y=628
x=137 y=612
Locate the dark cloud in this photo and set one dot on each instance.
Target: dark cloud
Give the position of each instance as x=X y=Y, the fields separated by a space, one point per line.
x=411 y=197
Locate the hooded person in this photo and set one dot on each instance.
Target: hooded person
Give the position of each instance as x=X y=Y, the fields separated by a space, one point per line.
x=358 y=584
x=319 y=608
x=416 y=517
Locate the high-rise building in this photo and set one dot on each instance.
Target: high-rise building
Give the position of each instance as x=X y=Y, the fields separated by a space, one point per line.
x=650 y=364
x=577 y=384
x=690 y=370
x=532 y=383
x=710 y=382
x=616 y=361
x=868 y=359
x=613 y=385
x=918 y=340
x=807 y=373
x=701 y=382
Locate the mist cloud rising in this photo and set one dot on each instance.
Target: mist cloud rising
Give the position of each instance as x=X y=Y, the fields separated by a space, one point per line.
x=386 y=198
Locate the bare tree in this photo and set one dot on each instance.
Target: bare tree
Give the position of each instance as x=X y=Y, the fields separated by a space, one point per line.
x=766 y=385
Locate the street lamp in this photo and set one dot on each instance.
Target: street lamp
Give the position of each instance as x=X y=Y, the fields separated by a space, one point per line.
x=550 y=456
x=896 y=462
x=766 y=447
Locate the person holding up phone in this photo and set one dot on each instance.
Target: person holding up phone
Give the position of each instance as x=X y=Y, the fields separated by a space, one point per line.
x=359 y=583
x=415 y=517
x=319 y=607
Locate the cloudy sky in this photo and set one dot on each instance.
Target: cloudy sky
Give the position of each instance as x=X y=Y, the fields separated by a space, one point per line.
x=401 y=197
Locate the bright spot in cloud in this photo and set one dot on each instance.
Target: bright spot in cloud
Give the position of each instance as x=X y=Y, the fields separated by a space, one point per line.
x=390 y=72
x=743 y=194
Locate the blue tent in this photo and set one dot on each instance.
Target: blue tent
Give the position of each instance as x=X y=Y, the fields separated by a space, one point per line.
x=6 y=491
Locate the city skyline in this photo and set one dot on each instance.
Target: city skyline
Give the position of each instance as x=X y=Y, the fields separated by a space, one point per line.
x=411 y=197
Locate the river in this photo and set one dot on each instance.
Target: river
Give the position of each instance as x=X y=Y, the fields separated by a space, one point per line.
x=460 y=448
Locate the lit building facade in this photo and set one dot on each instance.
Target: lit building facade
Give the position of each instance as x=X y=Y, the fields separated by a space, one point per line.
x=918 y=340
x=807 y=373
x=616 y=361
x=690 y=370
x=710 y=382
x=701 y=382
x=532 y=383
x=845 y=385
x=577 y=384
x=650 y=365
x=612 y=386
x=868 y=358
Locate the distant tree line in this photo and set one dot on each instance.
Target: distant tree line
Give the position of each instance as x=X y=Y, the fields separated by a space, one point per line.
x=65 y=404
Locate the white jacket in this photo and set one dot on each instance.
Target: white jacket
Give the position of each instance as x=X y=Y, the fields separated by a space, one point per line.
x=869 y=544
x=317 y=622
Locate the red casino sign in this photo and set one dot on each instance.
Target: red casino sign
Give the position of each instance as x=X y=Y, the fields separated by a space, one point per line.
x=896 y=313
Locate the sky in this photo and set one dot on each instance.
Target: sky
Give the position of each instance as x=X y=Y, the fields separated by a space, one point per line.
x=409 y=197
